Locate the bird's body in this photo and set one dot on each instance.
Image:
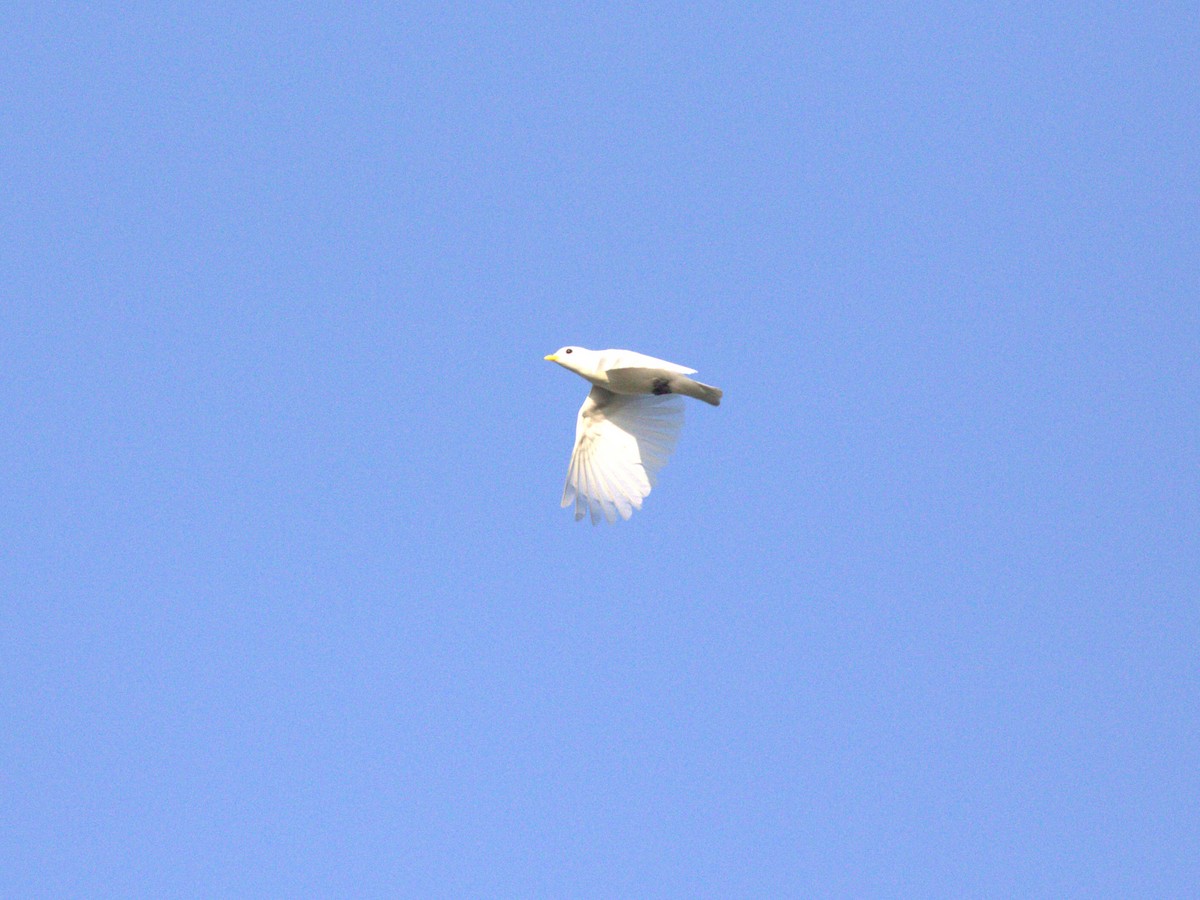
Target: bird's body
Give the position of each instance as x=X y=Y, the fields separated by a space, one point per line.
x=626 y=428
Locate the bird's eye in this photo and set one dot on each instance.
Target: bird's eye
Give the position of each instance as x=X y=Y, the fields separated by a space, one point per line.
x=568 y=351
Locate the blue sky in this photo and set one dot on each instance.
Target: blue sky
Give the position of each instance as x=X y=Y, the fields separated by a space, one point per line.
x=289 y=605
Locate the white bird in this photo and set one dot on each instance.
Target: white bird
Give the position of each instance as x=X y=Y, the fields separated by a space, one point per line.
x=626 y=429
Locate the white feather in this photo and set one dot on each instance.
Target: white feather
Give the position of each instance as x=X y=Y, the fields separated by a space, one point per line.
x=621 y=442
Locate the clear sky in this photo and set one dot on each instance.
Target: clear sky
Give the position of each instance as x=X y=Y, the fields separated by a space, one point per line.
x=289 y=604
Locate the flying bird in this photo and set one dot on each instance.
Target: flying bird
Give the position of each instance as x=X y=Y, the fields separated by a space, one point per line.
x=626 y=429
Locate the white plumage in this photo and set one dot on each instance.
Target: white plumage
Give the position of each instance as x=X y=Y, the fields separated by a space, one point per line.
x=626 y=428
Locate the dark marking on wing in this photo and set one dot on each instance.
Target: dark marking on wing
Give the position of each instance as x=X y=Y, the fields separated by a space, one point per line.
x=661 y=386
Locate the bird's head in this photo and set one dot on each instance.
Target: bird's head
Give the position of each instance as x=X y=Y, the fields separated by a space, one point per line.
x=573 y=358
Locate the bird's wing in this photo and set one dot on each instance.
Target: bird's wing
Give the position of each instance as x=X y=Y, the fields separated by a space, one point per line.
x=660 y=381
x=621 y=442
x=624 y=359
x=639 y=380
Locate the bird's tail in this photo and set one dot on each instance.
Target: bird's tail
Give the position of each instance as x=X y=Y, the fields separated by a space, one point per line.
x=692 y=388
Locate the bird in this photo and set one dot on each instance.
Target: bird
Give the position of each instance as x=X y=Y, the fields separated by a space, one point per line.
x=626 y=428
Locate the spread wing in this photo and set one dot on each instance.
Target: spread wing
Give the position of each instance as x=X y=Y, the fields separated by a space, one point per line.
x=621 y=442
